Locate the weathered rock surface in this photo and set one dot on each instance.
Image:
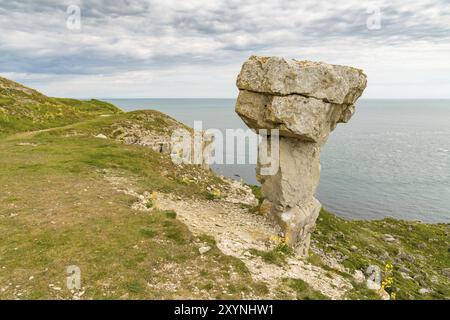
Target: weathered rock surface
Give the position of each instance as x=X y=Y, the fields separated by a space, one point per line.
x=305 y=101
x=155 y=130
x=312 y=122
x=279 y=76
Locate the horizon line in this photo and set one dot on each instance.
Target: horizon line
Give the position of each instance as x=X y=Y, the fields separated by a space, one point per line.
x=228 y=98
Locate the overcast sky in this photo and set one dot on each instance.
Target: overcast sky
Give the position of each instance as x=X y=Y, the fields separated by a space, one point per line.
x=194 y=48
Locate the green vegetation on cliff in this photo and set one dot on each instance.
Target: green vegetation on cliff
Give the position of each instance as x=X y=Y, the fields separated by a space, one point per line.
x=57 y=208
x=418 y=252
x=62 y=204
x=24 y=109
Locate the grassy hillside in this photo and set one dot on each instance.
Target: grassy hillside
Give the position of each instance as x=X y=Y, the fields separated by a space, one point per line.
x=64 y=201
x=419 y=253
x=24 y=109
x=57 y=208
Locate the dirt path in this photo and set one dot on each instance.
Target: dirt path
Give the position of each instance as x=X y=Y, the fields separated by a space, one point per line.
x=236 y=231
x=29 y=134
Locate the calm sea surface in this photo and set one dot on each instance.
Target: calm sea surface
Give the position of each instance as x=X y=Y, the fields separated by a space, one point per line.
x=391 y=159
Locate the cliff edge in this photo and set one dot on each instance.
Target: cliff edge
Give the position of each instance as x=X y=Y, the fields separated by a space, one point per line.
x=87 y=186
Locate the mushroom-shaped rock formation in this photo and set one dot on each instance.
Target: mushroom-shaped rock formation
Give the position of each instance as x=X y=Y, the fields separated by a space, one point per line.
x=305 y=101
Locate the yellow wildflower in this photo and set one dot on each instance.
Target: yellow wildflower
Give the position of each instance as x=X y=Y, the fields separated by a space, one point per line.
x=155 y=202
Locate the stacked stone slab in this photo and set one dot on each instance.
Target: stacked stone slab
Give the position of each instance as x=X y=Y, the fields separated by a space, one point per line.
x=305 y=101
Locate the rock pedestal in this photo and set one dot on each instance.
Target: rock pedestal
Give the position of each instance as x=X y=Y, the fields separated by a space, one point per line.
x=305 y=101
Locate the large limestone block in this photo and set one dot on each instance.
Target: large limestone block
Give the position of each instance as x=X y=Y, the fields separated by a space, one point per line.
x=294 y=115
x=298 y=174
x=298 y=224
x=279 y=76
x=305 y=101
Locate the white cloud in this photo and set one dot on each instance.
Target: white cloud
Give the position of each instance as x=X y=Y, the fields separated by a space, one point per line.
x=194 y=48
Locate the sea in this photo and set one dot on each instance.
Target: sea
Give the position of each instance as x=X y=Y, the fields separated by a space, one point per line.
x=391 y=160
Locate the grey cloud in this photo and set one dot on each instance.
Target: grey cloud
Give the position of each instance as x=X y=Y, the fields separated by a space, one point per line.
x=127 y=35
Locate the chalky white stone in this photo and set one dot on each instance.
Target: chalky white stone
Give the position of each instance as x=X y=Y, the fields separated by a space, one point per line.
x=305 y=101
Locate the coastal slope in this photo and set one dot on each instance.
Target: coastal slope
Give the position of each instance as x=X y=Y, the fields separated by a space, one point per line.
x=87 y=185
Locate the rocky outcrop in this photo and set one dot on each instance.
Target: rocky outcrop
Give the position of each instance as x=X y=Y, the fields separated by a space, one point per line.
x=305 y=101
x=155 y=130
x=134 y=133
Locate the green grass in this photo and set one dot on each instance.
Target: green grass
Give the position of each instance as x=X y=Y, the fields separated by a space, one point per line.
x=23 y=109
x=277 y=255
x=420 y=248
x=303 y=290
x=57 y=209
x=17 y=117
x=171 y=214
x=63 y=212
x=116 y=124
x=90 y=106
x=79 y=154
